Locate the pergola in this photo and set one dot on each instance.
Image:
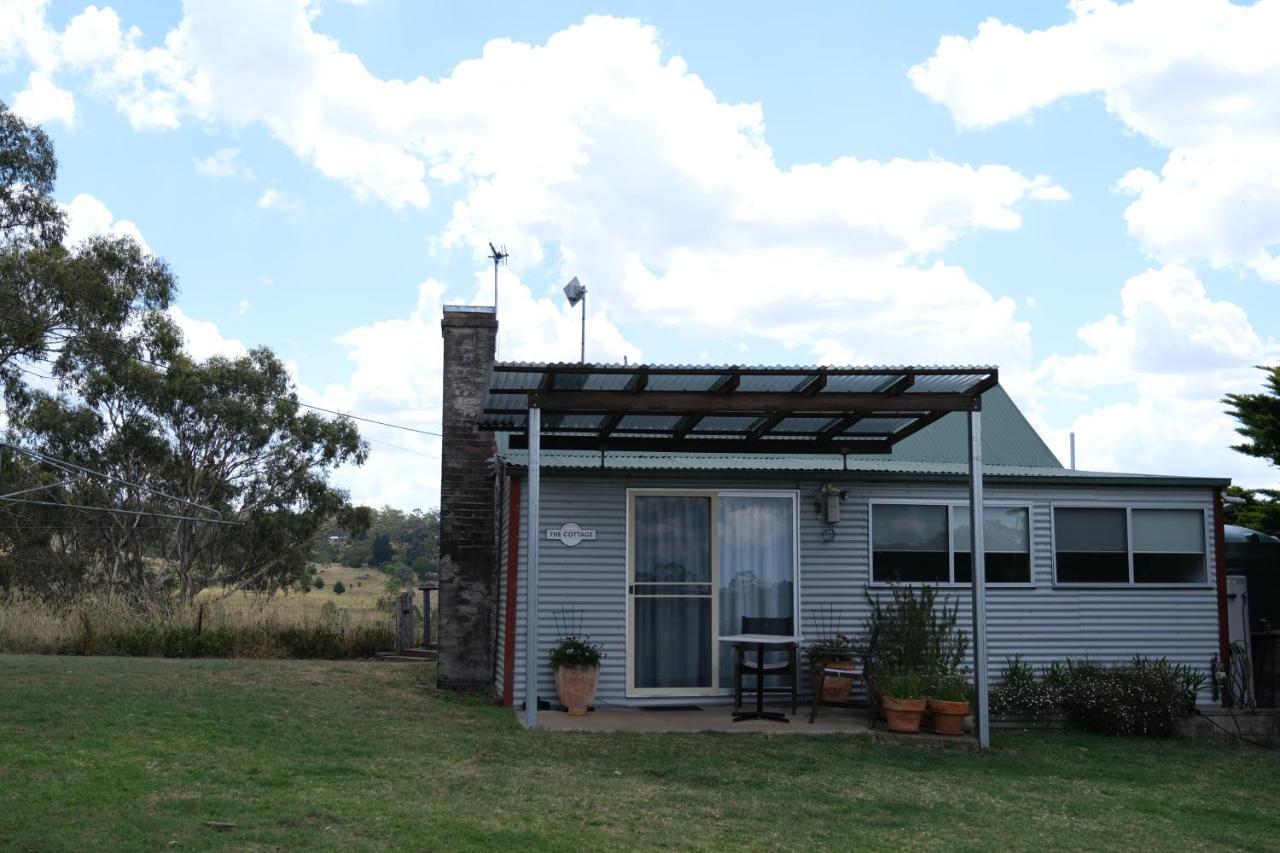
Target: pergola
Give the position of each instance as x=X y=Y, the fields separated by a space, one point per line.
x=732 y=409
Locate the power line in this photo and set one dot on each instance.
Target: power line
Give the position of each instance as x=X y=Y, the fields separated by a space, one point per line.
x=136 y=512
x=169 y=367
x=71 y=467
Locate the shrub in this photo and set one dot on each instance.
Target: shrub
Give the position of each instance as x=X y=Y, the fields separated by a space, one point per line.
x=951 y=688
x=1020 y=693
x=339 y=587
x=905 y=685
x=318 y=583
x=914 y=632
x=576 y=651
x=1139 y=698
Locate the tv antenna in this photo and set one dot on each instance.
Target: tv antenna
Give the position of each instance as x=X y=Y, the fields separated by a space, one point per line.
x=498 y=257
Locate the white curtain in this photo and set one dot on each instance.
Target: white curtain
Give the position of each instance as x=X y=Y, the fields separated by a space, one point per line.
x=672 y=604
x=757 y=565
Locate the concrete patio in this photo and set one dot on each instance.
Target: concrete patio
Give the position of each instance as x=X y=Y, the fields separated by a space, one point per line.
x=716 y=718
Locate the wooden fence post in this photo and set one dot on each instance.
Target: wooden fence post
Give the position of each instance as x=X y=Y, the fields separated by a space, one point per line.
x=404 y=622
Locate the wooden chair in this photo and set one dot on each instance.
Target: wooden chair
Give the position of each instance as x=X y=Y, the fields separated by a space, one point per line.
x=745 y=663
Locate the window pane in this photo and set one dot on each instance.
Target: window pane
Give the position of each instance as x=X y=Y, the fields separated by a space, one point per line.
x=1168 y=568
x=1168 y=530
x=1092 y=567
x=672 y=642
x=898 y=527
x=673 y=539
x=910 y=566
x=1079 y=529
x=1001 y=568
x=756 y=538
x=1004 y=528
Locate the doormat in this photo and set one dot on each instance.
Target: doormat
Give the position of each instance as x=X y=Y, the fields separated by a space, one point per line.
x=670 y=708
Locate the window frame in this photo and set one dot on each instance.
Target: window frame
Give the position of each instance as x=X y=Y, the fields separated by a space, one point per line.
x=1131 y=584
x=951 y=506
x=714 y=493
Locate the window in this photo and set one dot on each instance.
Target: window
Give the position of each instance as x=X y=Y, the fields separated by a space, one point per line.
x=1119 y=545
x=913 y=543
x=1168 y=546
x=1006 y=541
x=1092 y=545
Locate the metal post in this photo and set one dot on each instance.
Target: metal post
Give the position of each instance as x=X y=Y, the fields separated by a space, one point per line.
x=977 y=550
x=582 y=354
x=1073 y=451
x=531 y=579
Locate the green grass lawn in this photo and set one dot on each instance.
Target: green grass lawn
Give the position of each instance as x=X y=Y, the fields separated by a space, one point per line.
x=116 y=753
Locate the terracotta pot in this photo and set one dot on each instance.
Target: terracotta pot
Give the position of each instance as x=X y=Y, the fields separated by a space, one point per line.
x=903 y=715
x=576 y=687
x=837 y=689
x=948 y=717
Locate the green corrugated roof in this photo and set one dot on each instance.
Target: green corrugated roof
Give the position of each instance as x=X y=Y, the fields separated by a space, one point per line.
x=1010 y=445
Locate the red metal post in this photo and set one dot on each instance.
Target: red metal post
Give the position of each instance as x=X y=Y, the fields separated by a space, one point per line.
x=1220 y=573
x=513 y=560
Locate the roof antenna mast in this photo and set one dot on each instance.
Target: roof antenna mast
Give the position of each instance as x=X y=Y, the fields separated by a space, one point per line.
x=498 y=257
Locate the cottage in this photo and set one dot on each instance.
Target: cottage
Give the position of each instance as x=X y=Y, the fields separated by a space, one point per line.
x=671 y=502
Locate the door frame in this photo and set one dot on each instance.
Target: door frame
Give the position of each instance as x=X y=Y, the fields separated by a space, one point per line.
x=714 y=494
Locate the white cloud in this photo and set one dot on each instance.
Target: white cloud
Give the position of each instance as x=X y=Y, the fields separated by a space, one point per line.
x=42 y=102
x=243 y=307
x=1198 y=77
x=87 y=216
x=275 y=199
x=203 y=339
x=1173 y=352
x=223 y=163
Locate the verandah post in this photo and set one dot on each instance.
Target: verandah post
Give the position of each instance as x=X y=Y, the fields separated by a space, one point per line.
x=977 y=549
x=531 y=579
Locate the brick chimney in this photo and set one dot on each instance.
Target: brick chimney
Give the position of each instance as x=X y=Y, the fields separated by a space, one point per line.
x=468 y=531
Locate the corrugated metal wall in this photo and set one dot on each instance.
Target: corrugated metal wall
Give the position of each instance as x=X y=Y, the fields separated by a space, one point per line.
x=1039 y=621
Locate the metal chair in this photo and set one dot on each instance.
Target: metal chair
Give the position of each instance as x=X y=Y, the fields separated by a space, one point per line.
x=745 y=663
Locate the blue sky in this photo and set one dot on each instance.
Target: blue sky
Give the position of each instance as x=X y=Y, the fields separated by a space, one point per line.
x=1085 y=195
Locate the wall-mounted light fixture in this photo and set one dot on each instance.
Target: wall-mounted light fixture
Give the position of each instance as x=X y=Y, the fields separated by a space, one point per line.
x=828 y=504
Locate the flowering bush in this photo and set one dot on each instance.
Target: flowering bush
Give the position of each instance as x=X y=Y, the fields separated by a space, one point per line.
x=1125 y=699
x=1142 y=697
x=1021 y=694
x=576 y=651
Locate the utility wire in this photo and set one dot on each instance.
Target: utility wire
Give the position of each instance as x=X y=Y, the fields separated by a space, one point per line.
x=137 y=512
x=168 y=367
x=71 y=467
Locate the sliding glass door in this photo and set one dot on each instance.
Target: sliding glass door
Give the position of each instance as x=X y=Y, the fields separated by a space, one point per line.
x=698 y=563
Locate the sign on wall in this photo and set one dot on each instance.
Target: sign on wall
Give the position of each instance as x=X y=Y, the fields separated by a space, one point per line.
x=570 y=534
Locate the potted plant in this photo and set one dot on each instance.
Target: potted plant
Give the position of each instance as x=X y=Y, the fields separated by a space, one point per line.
x=903 y=699
x=576 y=661
x=949 y=704
x=833 y=652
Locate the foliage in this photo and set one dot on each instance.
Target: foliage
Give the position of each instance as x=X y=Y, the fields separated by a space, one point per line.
x=318 y=582
x=339 y=587
x=99 y=626
x=1020 y=693
x=829 y=650
x=904 y=684
x=1123 y=699
x=1143 y=697
x=380 y=551
x=914 y=632
x=410 y=538
x=576 y=651
x=1260 y=510
x=951 y=688
x=573 y=648
x=217 y=440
